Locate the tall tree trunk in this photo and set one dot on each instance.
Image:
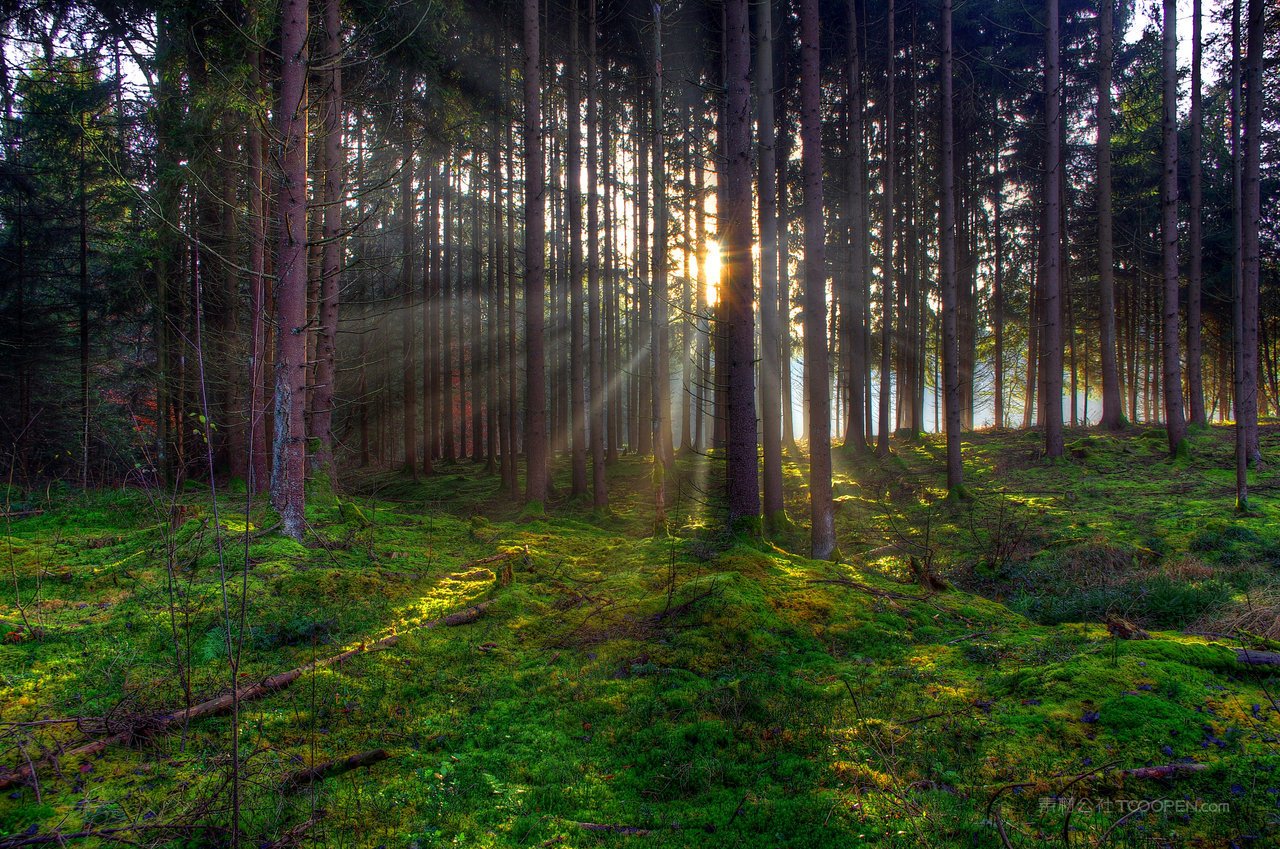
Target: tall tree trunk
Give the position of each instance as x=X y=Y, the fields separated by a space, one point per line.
x=997 y=300
x=742 y=464
x=431 y=324
x=407 y=340
x=289 y=466
x=573 y=145
x=258 y=474
x=658 y=341
x=856 y=337
x=822 y=509
x=1175 y=416
x=770 y=368
x=1195 y=270
x=1051 y=302
x=599 y=489
x=331 y=258
x=886 y=243
x=1112 y=407
x=947 y=253
x=535 y=268
x=1251 y=206
x=448 y=199
x=477 y=369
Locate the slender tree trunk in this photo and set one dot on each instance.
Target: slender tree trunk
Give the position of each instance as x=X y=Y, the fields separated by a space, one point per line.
x=431 y=324
x=886 y=243
x=660 y=347
x=997 y=302
x=1112 y=407
x=599 y=489
x=331 y=258
x=535 y=269
x=289 y=466
x=742 y=463
x=258 y=473
x=447 y=200
x=822 y=509
x=407 y=339
x=947 y=252
x=856 y=337
x=1175 y=416
x=783 y=159
x=1051 y=343
x=475 y=308
x=770 y=367
x=573 y=208
x=1195 y=270
x=1251 y=206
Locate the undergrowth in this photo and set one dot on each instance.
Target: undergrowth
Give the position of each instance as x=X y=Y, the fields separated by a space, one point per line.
x=704 y=689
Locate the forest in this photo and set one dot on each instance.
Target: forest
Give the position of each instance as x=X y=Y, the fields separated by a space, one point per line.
x=630 y=423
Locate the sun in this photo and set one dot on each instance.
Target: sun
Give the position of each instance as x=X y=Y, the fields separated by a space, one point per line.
x=711 y=270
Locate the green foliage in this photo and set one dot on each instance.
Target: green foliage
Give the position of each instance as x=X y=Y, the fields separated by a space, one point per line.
x=748 y=694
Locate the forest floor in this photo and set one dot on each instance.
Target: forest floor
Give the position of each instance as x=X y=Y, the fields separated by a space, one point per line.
x=627 y=688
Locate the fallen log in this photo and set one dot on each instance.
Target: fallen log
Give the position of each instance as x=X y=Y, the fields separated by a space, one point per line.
x=337 y=766
x=1258 y=658
x=222 y=704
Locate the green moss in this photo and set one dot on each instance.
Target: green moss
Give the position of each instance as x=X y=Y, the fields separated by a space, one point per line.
x=727 y=684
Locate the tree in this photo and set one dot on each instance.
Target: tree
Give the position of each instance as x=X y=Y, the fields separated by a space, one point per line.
x=822 y=509
x=331 y=261
x=1051 y=299
x=947 y=254
x=1112 y=409
x=599 y=487
x=289 y=452
x=573 y=164
x=535 y=440
x=1175 y=418
x=1195 y=237
x=1250 y=245
x=741 y=459
x=886 y=241
x=770 y=354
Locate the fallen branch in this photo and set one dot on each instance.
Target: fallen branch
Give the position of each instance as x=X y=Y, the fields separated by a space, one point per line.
x=114 y=835
x=337 y=766
x=222 y=704
x=1165 y=771
x=606 y=828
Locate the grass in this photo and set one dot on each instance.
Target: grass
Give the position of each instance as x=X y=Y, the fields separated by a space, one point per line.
x=697 y=686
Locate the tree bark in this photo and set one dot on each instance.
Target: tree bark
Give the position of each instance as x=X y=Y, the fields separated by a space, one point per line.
x=1175 y=416
x=331 y=257
x=770 y=367
x=289 y=466
x=1195 y=269
x=1112 y=407
x=573 y=151
x=599 y=488
x=742 y=479
x=1251 y=206
x=822 y=509
x=1051 y=302
x=886 y=242
x=947 y=253
x=535 y=265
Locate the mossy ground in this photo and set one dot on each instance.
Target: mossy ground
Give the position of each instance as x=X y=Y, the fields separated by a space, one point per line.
x=699 y=686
